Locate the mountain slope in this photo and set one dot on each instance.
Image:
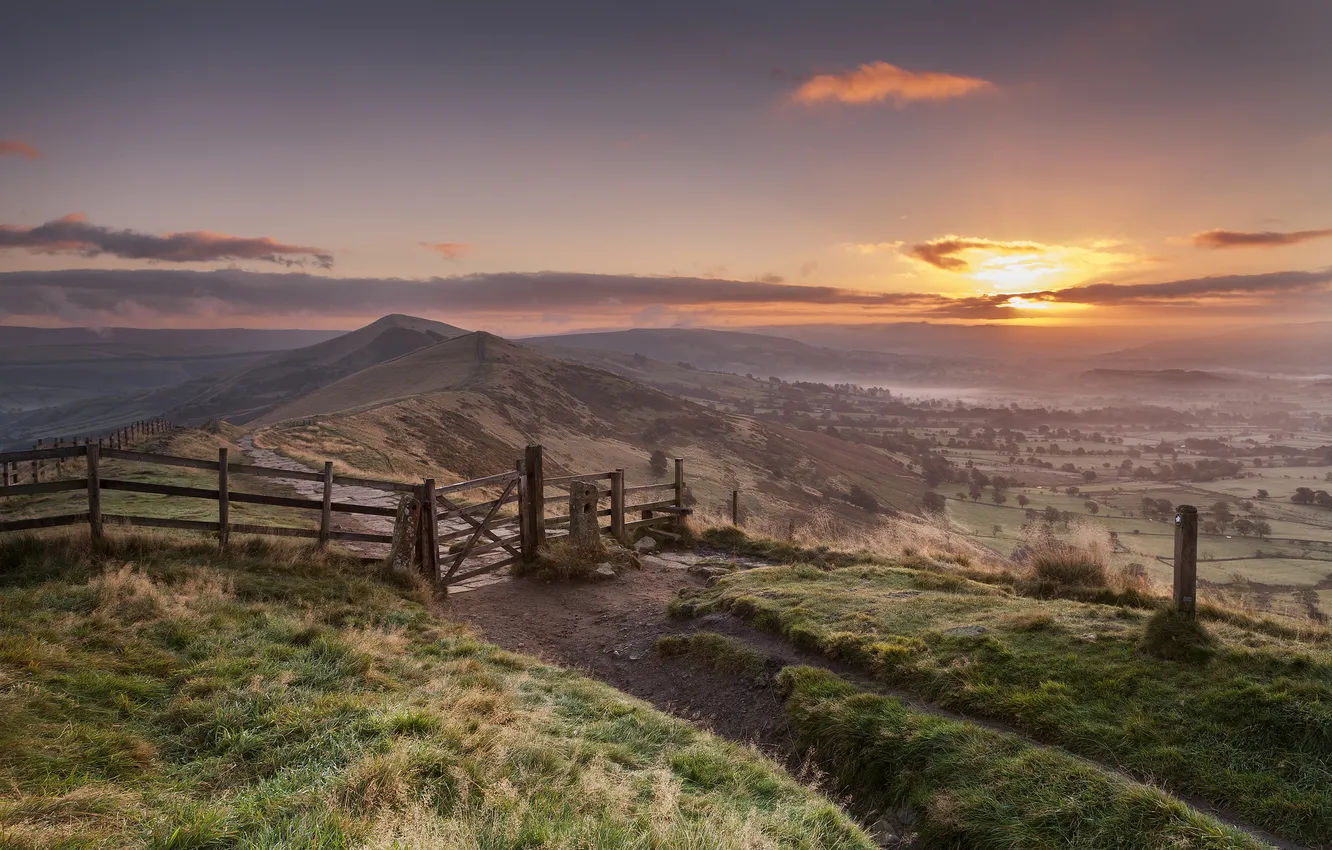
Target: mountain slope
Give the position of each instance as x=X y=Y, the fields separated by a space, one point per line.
x=244 y=393
x=1294 y=349
x=466 y=407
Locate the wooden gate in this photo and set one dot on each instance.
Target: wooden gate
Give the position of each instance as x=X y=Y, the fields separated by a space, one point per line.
x=464 y=536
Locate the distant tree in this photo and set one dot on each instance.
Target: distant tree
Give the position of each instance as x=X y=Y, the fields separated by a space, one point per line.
x=1244 y=527
x=1032 y=514
x=1089 y=475
x=1323 y=499
x=1073 y=491
x=1050 y=514
x=658 y=462
x=998 y=497
x=933 y=503
x=1262 y=528
x=999 y=483
x=997 y=529
x=1210 y=527
x=863 y=499
x=1221 y=513
x=1302 y=496
x=974 y=491
x=1022 y=500
x=1092 y=507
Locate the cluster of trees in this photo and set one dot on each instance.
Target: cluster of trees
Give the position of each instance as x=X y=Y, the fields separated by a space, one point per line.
x=1310 y=496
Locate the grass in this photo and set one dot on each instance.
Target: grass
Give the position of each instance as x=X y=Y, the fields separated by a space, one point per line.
x=159 y=694
x=719 y=652
x=961 y=785
x=1250 y=730
x=1174 y=637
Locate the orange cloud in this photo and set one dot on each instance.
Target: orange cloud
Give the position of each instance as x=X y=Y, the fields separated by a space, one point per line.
x=448 y=250
x=875 y=82
x=27 y=151
x=1219 y=238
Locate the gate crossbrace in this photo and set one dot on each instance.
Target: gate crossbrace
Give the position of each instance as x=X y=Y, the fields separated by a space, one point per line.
x=480 y=529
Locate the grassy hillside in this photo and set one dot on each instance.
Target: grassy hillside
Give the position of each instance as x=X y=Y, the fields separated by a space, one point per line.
x=1240 y=715
x=466 y=408
x=157 y=694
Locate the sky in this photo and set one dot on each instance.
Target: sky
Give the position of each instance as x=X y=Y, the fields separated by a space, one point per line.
x=540 y=167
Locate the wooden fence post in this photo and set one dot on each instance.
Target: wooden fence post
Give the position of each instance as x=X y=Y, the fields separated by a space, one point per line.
x=223 y=499
x=1186 y=559
x=617 y=506
x=430 y=529
x=4 y=481
x=735 y=508
x=94 y=496
x=36 y=466
x=326 y=513
x=60 y=464
x=535 y=503
x=679 y=494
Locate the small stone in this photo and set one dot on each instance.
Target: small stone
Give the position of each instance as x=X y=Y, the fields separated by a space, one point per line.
x=966 y=631
x=605 y=571
x=645 y=544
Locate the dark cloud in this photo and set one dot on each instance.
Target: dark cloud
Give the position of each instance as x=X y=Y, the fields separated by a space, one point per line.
x=73 y=234
x=89 y=296
x=942 y=252
x=11 y=147
x=1261 y=239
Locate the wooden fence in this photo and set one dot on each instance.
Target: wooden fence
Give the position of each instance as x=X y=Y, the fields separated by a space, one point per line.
x=434 y=529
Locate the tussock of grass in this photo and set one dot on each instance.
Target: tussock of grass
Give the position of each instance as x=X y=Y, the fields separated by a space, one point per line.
x=720 y=652
x=1082 y=561
x=1174 y=637
x=1250 y=731
x=158 y=694
x=971 y=787
x=563 y=559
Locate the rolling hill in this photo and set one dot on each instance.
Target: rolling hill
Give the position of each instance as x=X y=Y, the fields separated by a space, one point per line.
x=45 y=367
x=466 y=407
x=762 y=355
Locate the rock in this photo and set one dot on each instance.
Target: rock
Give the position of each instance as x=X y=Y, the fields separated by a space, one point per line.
x=604 y=571
x=709 y=572
x=965 y=631
x=645 y=544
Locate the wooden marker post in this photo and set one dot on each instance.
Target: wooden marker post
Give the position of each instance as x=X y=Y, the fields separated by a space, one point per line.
x=735 y=508
x=1186 y=559
x=326 y=513
x=617 y=506
x=223 y=499
x=94 y=496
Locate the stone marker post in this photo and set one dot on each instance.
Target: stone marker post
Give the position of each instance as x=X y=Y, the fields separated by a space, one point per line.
x=583 y=530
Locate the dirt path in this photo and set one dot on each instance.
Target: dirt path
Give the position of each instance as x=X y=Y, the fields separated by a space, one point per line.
x=607 y=630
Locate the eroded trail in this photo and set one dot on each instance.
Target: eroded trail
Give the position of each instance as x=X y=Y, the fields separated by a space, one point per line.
x=608 y=629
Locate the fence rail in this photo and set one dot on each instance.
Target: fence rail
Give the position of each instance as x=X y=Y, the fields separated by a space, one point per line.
x=474 y=532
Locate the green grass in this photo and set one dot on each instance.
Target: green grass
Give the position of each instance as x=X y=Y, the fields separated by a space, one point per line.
x=969 y=787
x=159 y=694
x=1250 y=730
x=720 y=652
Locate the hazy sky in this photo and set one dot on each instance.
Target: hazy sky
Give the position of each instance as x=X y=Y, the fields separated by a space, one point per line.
x=547 y=166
